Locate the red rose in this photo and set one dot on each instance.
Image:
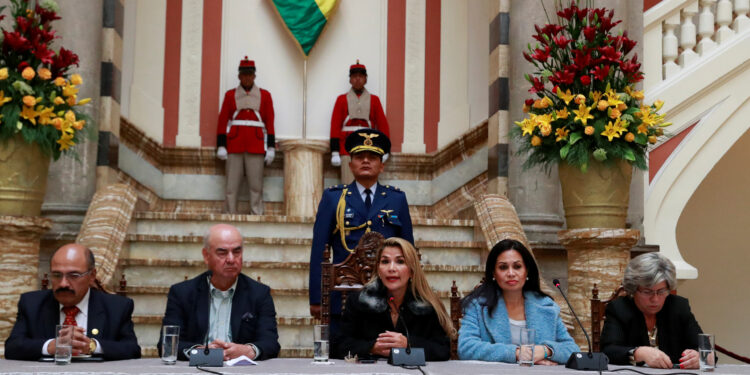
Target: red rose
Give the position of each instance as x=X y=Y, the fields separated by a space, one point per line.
x=585 y=80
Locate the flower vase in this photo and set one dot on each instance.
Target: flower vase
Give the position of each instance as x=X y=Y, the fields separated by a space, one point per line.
x=597 y=198
x=23 y=177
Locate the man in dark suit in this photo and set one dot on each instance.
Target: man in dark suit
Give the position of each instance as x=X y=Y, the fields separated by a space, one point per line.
x=235 y=312
x=346 y=212
x=103 y=321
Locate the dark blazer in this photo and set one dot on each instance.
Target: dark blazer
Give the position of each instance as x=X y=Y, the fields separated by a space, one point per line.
x=367 y=314
x=253 y=315
x=39 y=313
x=625 y=328
x=388 y=215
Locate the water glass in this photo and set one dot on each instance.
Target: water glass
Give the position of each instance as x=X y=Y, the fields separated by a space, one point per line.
x=170 y=338
x=526 y=353
x=707 y=356
x=63 y=343
x=320 y=337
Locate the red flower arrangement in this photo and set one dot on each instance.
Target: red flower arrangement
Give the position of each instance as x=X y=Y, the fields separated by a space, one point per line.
x=587 y=101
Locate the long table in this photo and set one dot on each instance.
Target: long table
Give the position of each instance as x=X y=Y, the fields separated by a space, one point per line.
x=290 y=366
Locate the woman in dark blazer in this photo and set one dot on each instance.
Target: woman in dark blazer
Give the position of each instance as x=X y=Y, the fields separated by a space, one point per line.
x=650 y=325
x=398 y=298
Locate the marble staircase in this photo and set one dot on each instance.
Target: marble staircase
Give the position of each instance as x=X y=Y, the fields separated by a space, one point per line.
x=165 y=248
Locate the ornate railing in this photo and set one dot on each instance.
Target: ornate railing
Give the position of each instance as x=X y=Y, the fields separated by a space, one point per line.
x=687 y=30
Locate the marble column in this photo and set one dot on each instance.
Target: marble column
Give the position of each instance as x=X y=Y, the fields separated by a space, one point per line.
x=595 y=255
x=535 y=194
x=19 y=261
x=303 y=175
x=72 y=179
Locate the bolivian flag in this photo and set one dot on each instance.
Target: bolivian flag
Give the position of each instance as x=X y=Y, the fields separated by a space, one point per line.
x=305 y=19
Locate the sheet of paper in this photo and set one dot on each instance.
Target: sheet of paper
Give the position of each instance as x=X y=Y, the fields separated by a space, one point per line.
x=242 y=360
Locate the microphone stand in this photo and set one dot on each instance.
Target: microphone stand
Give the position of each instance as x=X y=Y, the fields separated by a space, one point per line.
x=409 y=356
x=591 y=361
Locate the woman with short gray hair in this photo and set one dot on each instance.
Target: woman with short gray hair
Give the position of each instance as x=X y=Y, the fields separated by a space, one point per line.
x=651 y=325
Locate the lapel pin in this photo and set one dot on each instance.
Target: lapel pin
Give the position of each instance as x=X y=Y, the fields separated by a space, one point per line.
x=94 y=331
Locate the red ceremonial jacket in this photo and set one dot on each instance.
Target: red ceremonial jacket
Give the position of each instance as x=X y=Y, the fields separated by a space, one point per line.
x=341 y=110
x=245 y=138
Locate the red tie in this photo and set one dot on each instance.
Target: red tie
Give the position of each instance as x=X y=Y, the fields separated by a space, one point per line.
x=70 y=315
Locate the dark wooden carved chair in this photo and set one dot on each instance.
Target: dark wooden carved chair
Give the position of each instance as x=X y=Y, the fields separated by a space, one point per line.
x=350 y=275
x=598 y=307
x=456 y=315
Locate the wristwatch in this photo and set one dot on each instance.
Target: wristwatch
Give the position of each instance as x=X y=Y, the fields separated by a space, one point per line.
x=92 y=346
x=631 y=356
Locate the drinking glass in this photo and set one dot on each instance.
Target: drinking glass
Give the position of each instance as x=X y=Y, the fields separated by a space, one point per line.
x=63 y=343
x=707 y=356
x=169 y=344
x=320 y=337
x=526 y=354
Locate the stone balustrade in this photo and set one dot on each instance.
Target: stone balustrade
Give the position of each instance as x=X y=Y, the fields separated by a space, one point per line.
x=685 y=31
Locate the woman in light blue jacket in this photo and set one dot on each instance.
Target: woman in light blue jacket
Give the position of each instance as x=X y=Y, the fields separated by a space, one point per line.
x=508 y=300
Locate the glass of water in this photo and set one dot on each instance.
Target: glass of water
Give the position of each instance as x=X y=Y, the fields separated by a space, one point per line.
x=63 y=343
x=526 y=352
x=320 y=335
x=706 y=352
x=169 y=343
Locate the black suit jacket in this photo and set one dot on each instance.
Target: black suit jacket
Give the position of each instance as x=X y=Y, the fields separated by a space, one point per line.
x=367 y=315
x=253 y=314
x=625 y=328
x=39 y=312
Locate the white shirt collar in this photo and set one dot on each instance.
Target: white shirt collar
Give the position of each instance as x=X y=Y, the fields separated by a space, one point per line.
x=82 y=316
x=361 y=190
x=231 y=289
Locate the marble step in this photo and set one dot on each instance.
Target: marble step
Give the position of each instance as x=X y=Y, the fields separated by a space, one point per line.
x=267 y=226
x=278 y=249
x=277 y=275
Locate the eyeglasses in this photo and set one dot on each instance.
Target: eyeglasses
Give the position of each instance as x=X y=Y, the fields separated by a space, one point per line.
x=651 y=293
x=72 y=276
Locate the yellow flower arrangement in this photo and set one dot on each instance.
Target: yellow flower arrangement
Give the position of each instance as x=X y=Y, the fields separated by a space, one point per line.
x=585 y=100
x=38 y=95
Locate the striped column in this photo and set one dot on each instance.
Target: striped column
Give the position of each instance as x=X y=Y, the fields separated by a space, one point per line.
x=109 y=105
x=499 y=99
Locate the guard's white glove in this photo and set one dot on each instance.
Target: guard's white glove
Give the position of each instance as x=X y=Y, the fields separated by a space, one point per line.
x=335 y=159
x=270 y=154
x=221 y=153
x=385 y=156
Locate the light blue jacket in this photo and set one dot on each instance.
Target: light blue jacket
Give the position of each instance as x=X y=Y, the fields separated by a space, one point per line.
x=487 y=338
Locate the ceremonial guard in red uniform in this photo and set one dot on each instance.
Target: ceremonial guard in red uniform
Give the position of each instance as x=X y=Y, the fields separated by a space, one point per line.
x=357 y=109
x=244 y=135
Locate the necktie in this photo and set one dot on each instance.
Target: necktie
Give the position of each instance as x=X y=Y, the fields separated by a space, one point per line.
x=368 y=201
x=70 y=315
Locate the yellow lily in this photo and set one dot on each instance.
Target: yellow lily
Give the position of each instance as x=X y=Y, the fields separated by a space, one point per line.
x=562 y=134
x=583 y=114
x=563 y=113
x=610 y=132
x=30 y=114
x=566 y=96
x=3 y=98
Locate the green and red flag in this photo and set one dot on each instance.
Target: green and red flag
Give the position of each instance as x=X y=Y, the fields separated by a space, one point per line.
x=305 y=19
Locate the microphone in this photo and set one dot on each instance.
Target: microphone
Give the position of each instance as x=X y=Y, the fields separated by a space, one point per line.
x=591 y=361
x=207 y=357
x=409 y=356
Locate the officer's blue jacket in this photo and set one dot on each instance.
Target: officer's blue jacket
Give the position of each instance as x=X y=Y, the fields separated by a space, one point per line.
x=389 y=215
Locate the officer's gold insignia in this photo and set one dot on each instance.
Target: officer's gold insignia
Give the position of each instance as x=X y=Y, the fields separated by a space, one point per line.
x=368 y=138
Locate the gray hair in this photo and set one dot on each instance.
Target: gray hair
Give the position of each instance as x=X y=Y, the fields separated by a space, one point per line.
x=647 y=270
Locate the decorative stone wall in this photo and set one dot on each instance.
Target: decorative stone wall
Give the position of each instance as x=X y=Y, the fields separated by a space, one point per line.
x=595 y=255
x=105 y=226
x=19 y=261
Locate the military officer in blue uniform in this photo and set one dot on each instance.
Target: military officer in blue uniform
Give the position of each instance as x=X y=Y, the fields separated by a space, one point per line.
x=346 y=212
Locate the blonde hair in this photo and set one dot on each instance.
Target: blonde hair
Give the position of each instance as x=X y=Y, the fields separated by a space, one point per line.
x=418 y=286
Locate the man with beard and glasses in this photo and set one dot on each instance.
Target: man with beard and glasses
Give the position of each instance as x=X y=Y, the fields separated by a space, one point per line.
x=222 y=306
x=103 y=324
